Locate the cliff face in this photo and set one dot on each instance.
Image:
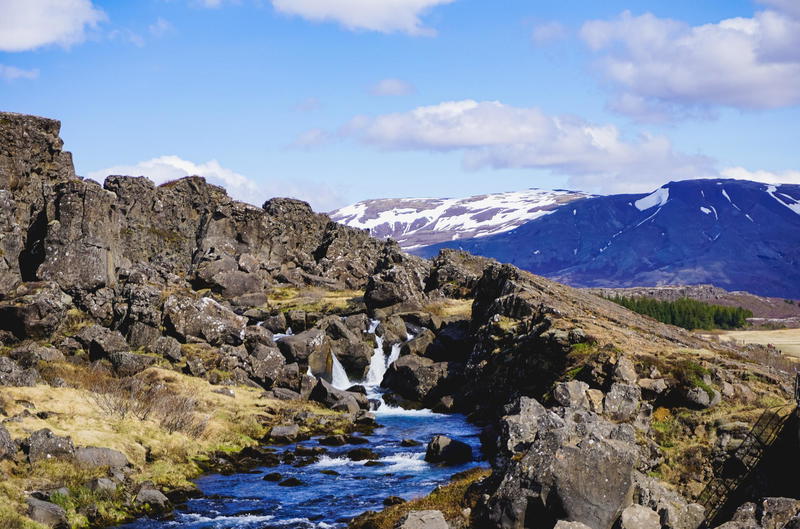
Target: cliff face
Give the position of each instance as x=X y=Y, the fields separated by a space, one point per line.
x=31 y=164
x=85 y=236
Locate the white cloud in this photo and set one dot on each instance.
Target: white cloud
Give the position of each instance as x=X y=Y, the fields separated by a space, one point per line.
x=386 y=16
x=311 y=138
x=768 y=177
x=160 y=27
x=751 y=63
x=12 y=73
x=491 y=134
x=391 y=87
x=548 y=32
x=30 y=24
x=165 y=168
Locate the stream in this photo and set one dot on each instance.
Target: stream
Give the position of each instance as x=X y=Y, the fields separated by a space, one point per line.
x=335 y=488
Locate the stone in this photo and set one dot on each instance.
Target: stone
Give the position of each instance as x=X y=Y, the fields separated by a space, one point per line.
x=151 y=497
x=12 y=374
x=127 y=364
x=28 y=356
x=287 y=433
x=654 y=386
x=776 y=512
x=202 y=318
x=97 y=457
x=44 y=444
x=336 y=399
x=639 y=517
x=571 y=394
x=622 y=402
x=595 y=398
x=285 y=394
x=102 y=486
x=291 y=482
x=47 y=514
x=420 y=379
x=34 y=310
x=167 y=347
x=272 y=476
x=409 y=443
x=419 y=344
x=7 y=445
x=423 y=520
x=393 y=500
x=360 y=454
x=699 y=398
x=101 y=342
x=442 y=449
x=625 y=371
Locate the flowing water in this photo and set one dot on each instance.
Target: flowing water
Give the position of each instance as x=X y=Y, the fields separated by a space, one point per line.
x=328 y=499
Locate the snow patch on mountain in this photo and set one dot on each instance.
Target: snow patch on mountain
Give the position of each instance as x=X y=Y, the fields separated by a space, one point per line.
x=658 y=197
x=415 y=222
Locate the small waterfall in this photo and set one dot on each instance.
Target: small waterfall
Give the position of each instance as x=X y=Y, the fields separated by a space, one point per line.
x=339 y=378
x=378 y=364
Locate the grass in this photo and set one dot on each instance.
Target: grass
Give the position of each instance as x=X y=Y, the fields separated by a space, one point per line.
x=170 y=459
x=451 y=499
x=450 y=309
x=691 y=374
x=314 y=299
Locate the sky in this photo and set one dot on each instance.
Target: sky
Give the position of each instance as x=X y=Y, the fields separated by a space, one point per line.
x=336 y=101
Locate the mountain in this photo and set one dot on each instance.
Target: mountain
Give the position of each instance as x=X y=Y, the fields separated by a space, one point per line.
x=415 y=222
x=734 y=234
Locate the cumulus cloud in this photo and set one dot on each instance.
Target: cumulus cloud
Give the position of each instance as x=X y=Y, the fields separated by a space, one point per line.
x=768 y=177
x=165 y=168
x=492 y=134
x=30 y=24
x=748 y=63
x=548 y=32
x=391 y=87
x=385 y=16
x=12 y=73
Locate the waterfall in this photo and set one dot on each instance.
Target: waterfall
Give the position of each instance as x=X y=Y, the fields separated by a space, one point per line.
x=339 y=378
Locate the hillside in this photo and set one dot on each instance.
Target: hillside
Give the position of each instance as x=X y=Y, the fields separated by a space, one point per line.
x=733 y=234
x=415 y=222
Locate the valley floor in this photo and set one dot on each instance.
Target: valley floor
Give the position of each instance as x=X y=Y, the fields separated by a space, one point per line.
x=787 y=341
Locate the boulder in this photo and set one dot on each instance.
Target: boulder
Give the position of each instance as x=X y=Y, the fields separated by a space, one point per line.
x=47 y=514
x=97 y=457
x=44 y=444
x=453 y=343
x=442 y=449
x=102 y=486
x=100 y=342
x=287 y=433
x=167 y=347
x=419 y=344
x=571 y=394
x=336 y=399
x=398 y=278
x=127 y=364
x=298 y=347
x=7 y=445
x=420 y=379
x=392 y=330
x=699 y=398
x=350 y=348
x=423 y=520
x=34 y=310
x=639 y=517
x=622 y=402
x=265 y=366
x=625 y=371
x=203 y=318
x=11 y=374
x=674 y=511
x=29 y=355
x=152 y=498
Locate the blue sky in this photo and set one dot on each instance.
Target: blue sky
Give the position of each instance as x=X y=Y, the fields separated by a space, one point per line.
x=336 y=101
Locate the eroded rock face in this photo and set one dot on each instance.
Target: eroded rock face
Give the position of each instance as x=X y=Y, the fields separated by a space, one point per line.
x=553 y=475
x=399 y=278
x=203 y=318
x=34 y=310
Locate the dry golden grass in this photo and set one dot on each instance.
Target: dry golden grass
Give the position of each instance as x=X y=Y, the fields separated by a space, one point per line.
x=450 y=309
x=786 y=341
x=313 y=299
x=450 y=499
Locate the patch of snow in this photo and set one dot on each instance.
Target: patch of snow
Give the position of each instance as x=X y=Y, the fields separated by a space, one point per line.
x=787 y=201
x=705 y=210
x=659 y=197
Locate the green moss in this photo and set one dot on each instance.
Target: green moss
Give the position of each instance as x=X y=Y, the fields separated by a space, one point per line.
x=691 y=374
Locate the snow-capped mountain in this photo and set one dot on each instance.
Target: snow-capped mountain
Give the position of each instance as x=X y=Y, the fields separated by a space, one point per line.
x=734 y=234
x=416 y=222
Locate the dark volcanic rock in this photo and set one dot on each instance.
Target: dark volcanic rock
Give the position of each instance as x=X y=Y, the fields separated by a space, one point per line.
x=47 y=514
x=34 y=310
x=421 y=379
x=44 y=444
x=7 y=445
x=442 y=449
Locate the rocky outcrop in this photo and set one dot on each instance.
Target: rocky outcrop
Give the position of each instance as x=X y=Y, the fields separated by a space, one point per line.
x=44 y=444
x=447 y=451
x=398 y=278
